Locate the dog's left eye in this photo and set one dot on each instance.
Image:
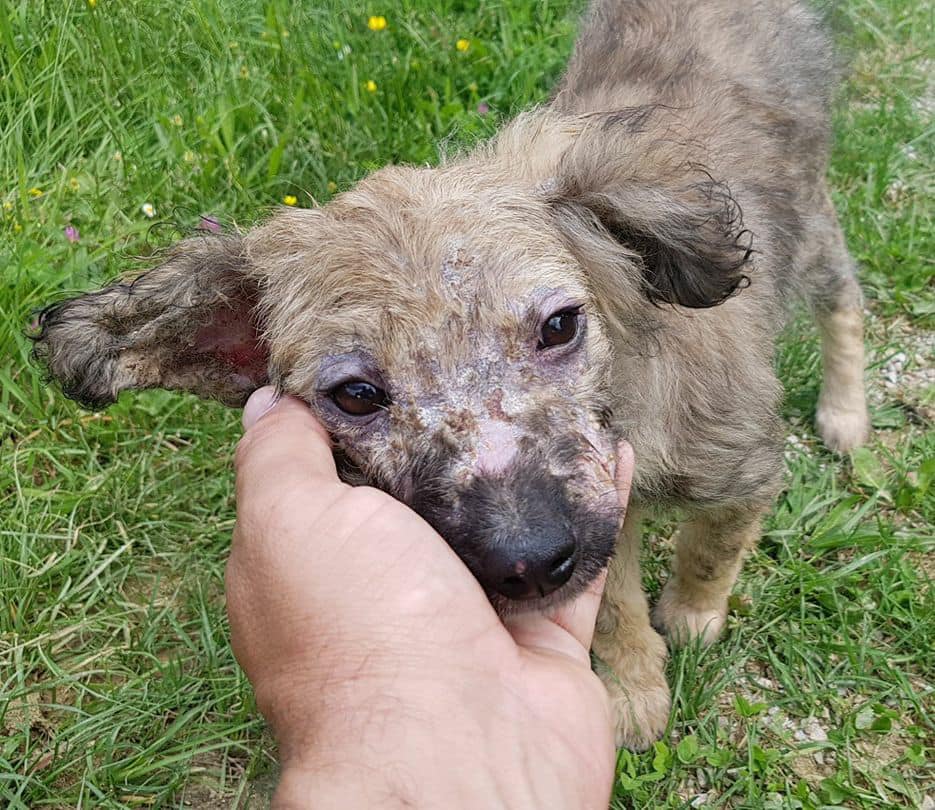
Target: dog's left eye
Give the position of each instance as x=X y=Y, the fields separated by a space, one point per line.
x=561 y=327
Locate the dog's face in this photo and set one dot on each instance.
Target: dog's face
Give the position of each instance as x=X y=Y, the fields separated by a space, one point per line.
x=451 y=327
x=455 y=354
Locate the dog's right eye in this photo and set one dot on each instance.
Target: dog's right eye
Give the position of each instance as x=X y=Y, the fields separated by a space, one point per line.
x=359 y=398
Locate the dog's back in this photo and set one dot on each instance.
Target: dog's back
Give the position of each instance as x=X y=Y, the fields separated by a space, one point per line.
x=689 y=52
x=746 y=87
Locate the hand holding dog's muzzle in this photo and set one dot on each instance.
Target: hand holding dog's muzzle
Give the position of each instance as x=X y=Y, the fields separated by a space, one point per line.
x=378 y=659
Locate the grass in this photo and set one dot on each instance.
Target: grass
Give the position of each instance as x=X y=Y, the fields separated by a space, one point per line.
x=117 y=686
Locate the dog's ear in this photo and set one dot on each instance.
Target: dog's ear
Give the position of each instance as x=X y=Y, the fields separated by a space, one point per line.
x=684 y=228
x=189 y=324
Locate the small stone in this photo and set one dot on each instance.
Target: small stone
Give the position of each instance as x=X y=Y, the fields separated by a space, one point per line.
x=813 y=730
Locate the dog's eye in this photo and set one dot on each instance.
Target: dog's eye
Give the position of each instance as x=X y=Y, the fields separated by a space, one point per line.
x=359 y=398
x=560 y=328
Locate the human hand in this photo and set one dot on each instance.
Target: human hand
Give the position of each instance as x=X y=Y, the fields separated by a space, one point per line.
x=385 y=674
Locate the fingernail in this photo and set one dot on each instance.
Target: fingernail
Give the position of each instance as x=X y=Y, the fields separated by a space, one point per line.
x=624 y=454
x=623 y=473
x=260 y=403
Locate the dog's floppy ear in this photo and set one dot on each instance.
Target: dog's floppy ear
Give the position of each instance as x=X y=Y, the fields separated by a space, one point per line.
x=189 y=324
x=685 y=229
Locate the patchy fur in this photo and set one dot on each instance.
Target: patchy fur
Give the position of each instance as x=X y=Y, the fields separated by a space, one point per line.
x=671 y=197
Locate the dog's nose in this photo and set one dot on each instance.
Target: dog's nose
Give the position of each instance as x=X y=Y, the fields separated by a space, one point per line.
x=532 y=569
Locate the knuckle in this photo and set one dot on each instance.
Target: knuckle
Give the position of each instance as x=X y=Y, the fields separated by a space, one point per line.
x=270 y=509
x=246 y=448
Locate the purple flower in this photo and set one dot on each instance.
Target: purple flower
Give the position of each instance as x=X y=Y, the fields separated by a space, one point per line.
x=71 y=233
x=209 y=224
x=483 y=108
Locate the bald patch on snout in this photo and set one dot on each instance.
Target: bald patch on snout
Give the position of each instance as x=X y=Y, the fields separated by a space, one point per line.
x=497 y=446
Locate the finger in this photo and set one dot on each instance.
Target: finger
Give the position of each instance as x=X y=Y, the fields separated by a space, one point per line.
x=624 y=475
x=259 y=403
x=567 y=629
x=285 y=448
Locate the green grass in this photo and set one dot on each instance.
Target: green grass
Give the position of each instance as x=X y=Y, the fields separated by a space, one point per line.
x=117 y=686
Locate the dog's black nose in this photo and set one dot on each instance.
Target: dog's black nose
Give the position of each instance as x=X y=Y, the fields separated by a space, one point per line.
x=529 y=568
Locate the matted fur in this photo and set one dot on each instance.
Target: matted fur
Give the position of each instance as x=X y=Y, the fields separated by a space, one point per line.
x=673 y=191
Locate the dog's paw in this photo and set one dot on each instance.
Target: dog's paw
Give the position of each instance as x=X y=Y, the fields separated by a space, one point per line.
x=683 y=623
x=639 y=694
x=840 y=428
x=640 y=711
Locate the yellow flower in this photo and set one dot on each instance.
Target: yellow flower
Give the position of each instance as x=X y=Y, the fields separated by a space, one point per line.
x=244 y=72
x=35 y=192
x=376 y=23
x=290 y=199
x=177 y=120
x=17 y=227
x=7 y=205
x=371 y=86
x=332 y=187
x=463 y=44
x=73 y=184
x=92 y=3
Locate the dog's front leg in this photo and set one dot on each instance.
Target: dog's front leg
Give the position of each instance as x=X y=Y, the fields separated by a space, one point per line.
x=632 y=655
x=709 y=550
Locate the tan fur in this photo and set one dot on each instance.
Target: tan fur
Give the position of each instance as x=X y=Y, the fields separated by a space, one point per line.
x=674 y=187
x=631 y=653
x=842 y=417
x=708 y=554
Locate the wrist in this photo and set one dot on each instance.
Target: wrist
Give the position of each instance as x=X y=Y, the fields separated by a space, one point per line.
x=422 y=748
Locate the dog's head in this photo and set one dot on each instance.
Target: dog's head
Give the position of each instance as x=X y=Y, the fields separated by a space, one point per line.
x=453 y=328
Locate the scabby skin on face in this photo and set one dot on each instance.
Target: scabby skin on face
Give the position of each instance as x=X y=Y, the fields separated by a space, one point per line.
x=480 y=416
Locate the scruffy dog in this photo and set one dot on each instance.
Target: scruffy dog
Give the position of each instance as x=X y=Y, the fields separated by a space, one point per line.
x=477 y=337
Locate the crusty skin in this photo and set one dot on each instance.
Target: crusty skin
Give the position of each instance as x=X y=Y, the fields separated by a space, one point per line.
x=674 y=188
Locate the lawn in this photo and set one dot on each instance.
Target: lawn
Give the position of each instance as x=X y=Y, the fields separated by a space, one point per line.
x=123 y=123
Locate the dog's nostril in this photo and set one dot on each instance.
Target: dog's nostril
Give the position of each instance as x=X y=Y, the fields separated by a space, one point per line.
x=562 y=565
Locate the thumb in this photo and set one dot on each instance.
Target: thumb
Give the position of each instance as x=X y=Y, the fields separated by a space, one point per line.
x=284 y=449
x=259 y=404
x=569 y=627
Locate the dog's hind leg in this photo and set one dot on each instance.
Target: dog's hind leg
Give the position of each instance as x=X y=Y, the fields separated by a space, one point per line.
x=841 y=418
x=632 y=655
x=709 y=551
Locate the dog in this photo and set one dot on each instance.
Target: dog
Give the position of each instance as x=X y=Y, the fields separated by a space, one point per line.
x=477 y=337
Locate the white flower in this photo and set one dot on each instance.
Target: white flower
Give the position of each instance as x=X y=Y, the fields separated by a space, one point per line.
x=148 y=209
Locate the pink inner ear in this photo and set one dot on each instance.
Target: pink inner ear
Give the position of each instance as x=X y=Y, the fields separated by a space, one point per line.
x=231 y=339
